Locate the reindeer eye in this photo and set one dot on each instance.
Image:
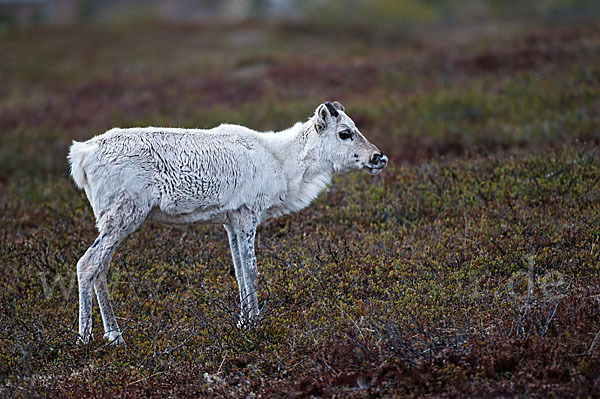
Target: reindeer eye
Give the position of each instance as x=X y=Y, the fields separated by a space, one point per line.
x=345 y=134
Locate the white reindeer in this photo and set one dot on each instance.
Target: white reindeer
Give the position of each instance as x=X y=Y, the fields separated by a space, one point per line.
x=229 y=174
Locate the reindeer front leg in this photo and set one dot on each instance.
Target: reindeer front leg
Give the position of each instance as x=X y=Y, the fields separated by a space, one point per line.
x=248 y=258
x=243 y=233
x=237 y=263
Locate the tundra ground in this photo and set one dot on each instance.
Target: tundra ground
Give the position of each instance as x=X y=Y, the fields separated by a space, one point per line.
x=469 y=267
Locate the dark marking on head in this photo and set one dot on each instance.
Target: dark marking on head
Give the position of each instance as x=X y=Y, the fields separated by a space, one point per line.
x=332 y=109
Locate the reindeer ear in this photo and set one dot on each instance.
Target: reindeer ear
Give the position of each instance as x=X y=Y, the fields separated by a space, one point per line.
x=338 y=106
x=324 y=112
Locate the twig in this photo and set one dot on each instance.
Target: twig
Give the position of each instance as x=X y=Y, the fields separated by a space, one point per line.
x=545 y=330
x=594 y=343
x=221 y=365
x=144 y=378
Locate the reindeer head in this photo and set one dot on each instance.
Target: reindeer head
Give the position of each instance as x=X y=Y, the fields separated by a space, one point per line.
x=343 y=144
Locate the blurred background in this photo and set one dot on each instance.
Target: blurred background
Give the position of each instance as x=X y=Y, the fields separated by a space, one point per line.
x=63 y=12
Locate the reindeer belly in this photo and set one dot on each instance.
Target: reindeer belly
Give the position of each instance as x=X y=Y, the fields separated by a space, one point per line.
x=207 y=214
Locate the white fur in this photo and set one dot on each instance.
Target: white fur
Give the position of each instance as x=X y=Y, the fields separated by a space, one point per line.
x=230 y=175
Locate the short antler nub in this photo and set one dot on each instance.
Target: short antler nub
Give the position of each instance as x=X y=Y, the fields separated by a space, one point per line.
x=339 y=106
x=332 y=109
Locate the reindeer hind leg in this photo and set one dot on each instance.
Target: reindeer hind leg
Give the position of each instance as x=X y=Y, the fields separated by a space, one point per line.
x=114 y=225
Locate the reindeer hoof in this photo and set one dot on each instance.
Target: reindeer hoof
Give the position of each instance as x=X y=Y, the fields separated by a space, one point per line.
x=246 y=321
x=114 y=338
x=84 y=339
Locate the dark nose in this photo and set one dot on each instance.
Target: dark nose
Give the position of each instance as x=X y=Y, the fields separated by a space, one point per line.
x=378 y=158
